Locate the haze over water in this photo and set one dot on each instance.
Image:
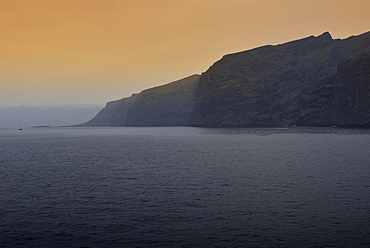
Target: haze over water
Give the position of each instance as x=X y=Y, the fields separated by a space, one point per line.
x=185 y=187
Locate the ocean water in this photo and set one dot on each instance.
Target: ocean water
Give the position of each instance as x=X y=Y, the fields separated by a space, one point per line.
x=185 y=187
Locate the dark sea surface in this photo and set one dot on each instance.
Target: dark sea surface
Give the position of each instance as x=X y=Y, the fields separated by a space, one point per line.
x=185 y=187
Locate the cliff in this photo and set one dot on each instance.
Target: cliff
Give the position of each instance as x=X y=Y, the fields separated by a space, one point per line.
x=315 y=81
x=113 y=114
x=167 y=105
x=272 y=85
x=345 y=99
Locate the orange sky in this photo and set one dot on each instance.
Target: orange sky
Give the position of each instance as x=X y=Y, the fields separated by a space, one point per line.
x=94 y=51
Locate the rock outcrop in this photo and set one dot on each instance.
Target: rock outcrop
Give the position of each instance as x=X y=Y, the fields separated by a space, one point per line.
x=271 y=85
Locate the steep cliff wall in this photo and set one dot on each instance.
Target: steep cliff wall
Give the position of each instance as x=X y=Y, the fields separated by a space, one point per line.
x=167 y=105
x=113 y=114
x=345 y=99
x=301 y=82
x=270 y=85
x=352 y=92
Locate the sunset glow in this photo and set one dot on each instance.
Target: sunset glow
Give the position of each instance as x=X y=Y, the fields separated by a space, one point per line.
x=90 y=51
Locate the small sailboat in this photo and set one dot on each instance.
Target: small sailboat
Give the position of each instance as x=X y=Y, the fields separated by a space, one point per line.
x=20 y=128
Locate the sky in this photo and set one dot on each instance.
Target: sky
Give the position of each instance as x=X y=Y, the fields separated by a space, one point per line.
x=78 y=52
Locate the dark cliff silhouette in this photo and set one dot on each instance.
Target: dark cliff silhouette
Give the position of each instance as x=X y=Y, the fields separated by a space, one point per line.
x=345 y=99
x=315 y=81
x=272 y=85
x=166 y=105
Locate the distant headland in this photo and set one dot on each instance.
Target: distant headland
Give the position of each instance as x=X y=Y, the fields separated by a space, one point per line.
x=315 y=81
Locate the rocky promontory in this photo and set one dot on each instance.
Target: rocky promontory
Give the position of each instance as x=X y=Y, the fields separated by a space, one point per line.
x=166 y=105
x=113 y=114
x=315 y=81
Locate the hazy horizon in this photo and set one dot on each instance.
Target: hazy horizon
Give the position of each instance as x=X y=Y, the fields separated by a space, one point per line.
x=46 y=115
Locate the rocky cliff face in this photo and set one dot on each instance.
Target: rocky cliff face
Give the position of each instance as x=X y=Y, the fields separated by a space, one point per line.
x=113 y=114
x=167 y=105
x=312 y=81
x=345 y=99
x=352 y=92
x=271 y=85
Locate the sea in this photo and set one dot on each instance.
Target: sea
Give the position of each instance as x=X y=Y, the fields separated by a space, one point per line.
x=185 y=187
